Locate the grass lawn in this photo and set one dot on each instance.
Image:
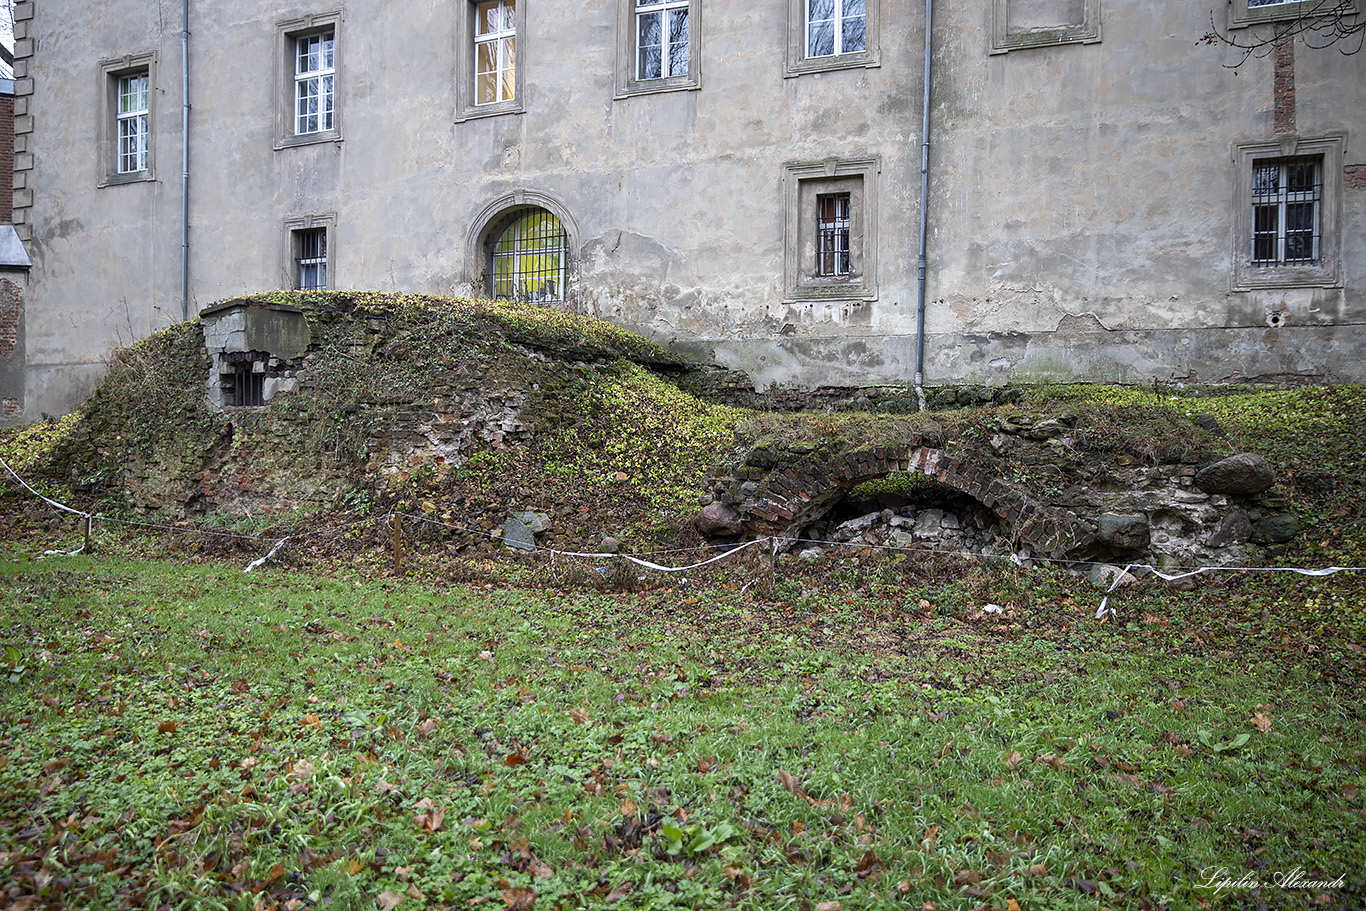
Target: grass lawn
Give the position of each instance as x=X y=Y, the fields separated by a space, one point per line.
x=183 y=735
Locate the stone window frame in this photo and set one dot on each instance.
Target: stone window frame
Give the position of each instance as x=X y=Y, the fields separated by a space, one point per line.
x=465 y=106
x=627 y=84
x=288 y=32
x=799 y=64
x=803 y=183
x=1327 y=272
x=110 y=72
x=1242 y=15
x=289 y=259
x=495 y=217
x=1004 y=41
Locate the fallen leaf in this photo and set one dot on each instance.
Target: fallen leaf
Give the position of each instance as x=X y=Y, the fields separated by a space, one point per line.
x=1261 y=722
x=829 y=906
x=579 y=715
x=519 y=898
x=388 y=900
x=1013 y=760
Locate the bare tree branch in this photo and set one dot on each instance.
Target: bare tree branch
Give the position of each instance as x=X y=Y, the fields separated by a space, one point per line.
x=1331 y=23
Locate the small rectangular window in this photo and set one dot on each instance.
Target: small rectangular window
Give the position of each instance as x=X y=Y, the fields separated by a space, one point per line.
x=836 y=27
x=1285 y=212
x=661 y=38
x=315 y=70
x=244 y=382
x=132 y=123
x=832 y=234
x=311 y=257
x=495 y=52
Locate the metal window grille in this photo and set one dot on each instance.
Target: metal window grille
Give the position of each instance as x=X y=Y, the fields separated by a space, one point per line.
x=132 y=123
x=531 y=259
x=836 y=27
x=315 y=73
x=495 y=51
x=832 y=234
x=243 y=387
x=311 y=255
x=661 y=38
x=1286 y=199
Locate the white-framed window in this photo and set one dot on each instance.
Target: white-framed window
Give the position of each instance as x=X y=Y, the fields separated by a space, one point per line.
x=658 y=47
x=132 y=118
x=531 y=259
x=1287 y=215
x=315 y=83
x=309 y=71
x=495 y=51
x=127 y=119
x=836 y=27
x=1286 y=196
x=831 y=34
x=661 y=38
x=490 y=57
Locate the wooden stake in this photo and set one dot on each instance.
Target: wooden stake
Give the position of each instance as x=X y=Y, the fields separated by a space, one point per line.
x=398 y=545
x=89 y=526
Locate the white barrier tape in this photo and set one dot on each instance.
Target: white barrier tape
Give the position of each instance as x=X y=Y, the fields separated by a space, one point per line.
x=1172 y=577
x=50 y=502
x=255 y=563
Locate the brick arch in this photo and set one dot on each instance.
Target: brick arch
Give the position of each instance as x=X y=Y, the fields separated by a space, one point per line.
x=794 y=495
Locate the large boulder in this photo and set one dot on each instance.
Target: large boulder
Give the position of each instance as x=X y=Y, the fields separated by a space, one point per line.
x=719 y=519
x=1243 y=475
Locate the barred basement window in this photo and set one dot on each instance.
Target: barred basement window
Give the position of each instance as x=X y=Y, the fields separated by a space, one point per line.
x=832 y=234
x=1286 y=196
x=243 y=385
x=531 y=259
x=311 y=256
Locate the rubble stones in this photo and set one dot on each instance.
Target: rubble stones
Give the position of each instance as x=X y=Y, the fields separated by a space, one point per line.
x=1244 y=474
x=1123 y=532
x=1276 y=529
x=1236 y=528
x=719 y=519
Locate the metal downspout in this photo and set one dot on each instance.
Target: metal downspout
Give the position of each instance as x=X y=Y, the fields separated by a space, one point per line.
x=185 y=161
x=924 y=215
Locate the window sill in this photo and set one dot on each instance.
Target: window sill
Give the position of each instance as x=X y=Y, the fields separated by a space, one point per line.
x=832 y=291
x=658 y=86
x=1256 y=278
x=860 y=60
x=116 y=180
x=496 y=109
x=309 y=139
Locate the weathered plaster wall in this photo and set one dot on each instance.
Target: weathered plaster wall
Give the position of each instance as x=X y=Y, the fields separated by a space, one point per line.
x=1081 y=203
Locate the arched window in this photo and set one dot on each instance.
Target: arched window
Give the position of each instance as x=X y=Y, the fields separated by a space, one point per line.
x=531 y=258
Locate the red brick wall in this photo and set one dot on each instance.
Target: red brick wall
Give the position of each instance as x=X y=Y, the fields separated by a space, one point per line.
x=6 y=159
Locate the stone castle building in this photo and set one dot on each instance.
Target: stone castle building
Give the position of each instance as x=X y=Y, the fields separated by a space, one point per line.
x=1108 y=197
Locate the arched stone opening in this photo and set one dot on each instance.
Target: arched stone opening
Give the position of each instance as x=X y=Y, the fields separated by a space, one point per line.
x=910 y=509
x=781 y=494
x=522 y=247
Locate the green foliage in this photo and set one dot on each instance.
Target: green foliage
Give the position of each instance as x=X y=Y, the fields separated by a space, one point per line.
x=192 y=737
